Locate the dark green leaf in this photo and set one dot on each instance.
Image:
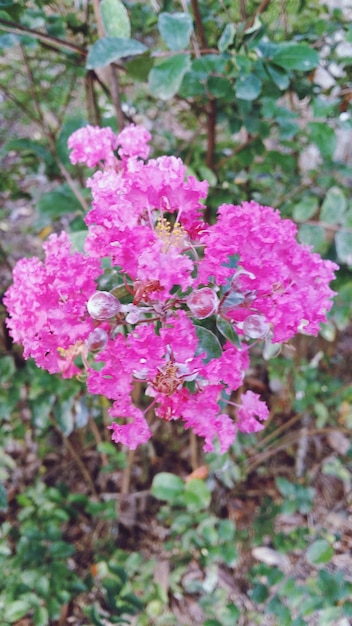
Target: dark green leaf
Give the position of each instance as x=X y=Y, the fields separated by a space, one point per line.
x=219 y=86
x=248 y=87
x=61 y=550
x=278 y=75
x=175 y=29
x=140 y=67
x=227 y=330
x=208 y=343
x=115 y=18
x=167 y=486
x=54 y=204
x=294 y=56
x=3 y=498
x=166 y=78
x=111 y=49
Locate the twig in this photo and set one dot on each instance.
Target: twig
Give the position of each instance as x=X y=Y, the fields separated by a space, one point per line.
x=243 y=10
x=199 y=23
x=126 y=474
x=194 y=450
x=49 y=134
x=86 y=475
x=235 y=151
x=115 y=96
x=55 y=42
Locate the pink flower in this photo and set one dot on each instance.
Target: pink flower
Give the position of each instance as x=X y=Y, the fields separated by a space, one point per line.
x=133 y=142
x=286 y=282
x=47 y=305
x=91 y=145
x=251 y=413
x=201 y=413
x=131 y=434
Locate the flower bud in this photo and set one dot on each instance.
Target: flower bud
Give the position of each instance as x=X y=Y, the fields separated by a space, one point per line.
x=102 y=305
x=202 y=303
x=256 y=327
x=97 y=340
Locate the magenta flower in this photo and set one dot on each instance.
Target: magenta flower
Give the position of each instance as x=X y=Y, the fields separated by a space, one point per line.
x=185 y=301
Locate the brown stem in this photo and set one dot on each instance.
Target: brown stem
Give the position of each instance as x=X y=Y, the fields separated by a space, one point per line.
x=199 y=23
x=97 y=436
x=262 y=7
x=243 y=10
x=93 y=112
x=86 y=475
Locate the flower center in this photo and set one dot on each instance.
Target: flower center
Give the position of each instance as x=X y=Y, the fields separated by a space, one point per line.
x=167 y=381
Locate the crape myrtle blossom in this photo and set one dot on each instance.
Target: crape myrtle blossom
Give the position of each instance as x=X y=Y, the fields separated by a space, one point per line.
x=189 y=300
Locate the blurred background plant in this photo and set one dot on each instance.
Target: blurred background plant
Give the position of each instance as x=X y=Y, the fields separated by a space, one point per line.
x=256 y=98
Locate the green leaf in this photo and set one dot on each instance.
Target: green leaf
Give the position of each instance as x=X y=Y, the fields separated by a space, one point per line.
x=312 y=235
x=60 y=550
x=219 y=86
x=208 y=343
x=77 y=240
x=140 y=67
x=207 y=174
x=175 y=29
x=343 y=242
x=324 y=137
x=54 y=204
x=15 y=610
x=227 y=330
x=8 y=40
x=166 y=78
x=334 y=206
x=278 y=75
x=294 y=56
x=286 y=488
x=111 y=49
x=40 y=616
x=227 y=37
x=7 y=368
x=305 y=208
x=196 y=494
x=319 y=552
x=115 y=18
x=248 y=87
x=3 y=498
x=167 y=486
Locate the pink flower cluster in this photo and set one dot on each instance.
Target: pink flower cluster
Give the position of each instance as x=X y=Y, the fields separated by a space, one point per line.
x=246 y=276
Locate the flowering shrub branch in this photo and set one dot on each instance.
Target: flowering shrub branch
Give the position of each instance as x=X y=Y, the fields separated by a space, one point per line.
x=246 y=276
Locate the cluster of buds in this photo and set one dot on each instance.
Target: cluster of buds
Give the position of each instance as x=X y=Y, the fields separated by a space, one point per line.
x=162 y=297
